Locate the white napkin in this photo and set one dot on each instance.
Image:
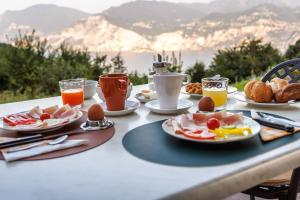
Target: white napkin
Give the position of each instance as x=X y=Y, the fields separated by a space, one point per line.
x=12 y=156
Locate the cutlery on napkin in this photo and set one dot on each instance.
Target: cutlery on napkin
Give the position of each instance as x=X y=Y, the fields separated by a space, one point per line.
x=39 y=149
x=272 y=129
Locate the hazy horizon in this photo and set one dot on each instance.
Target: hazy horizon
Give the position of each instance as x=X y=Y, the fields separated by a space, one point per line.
x=90 y=6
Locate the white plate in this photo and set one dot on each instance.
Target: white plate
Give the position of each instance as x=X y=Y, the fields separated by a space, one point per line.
x=240 y=96
x=255 y=127
x=130 y=106
x=183 y=105
x=39 y=129
x=230 y=91
x=142 y=99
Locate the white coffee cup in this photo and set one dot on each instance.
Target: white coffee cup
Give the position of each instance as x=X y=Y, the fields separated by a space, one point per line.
x=167 y=86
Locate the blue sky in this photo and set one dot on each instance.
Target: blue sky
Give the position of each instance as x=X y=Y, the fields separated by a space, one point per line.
x=92 y=6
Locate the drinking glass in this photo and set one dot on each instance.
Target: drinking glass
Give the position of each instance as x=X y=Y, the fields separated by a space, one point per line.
x=216 y=88
x=72 y=92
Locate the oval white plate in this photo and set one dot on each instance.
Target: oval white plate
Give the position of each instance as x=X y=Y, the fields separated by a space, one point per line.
x=230 y=91
x=39 y=129
x=240 y=96
x=183 y=105
x=130 y=106
x=142 y=99
x=255 y=127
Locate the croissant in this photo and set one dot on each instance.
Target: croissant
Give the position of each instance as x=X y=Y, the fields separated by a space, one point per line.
x=288 y=93
x=278 y=84
x=261 y=92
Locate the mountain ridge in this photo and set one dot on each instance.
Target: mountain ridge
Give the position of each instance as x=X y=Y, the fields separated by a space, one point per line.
x=146 y=26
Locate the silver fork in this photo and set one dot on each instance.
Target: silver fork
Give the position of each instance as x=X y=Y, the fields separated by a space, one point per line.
x=51 y=142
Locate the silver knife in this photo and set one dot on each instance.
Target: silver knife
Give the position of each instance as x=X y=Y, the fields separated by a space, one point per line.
x=280 y=120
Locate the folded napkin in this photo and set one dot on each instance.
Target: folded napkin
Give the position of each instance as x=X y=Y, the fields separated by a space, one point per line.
x=269 y=134
x=41 y=149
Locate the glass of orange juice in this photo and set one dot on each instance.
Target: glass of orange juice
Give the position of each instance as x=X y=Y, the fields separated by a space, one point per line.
x=72 y=92
x=216 y=88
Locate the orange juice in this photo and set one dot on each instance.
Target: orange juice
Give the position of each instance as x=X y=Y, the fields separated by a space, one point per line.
x=218 y=95
x=73 y=97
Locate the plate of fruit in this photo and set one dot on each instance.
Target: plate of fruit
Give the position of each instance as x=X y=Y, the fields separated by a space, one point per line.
x=277 y=92
x=40 y=120
x=195 y=89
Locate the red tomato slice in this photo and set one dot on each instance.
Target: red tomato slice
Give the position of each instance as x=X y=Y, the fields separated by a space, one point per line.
x=203 y=136
x=18 y=119
x=198 y=131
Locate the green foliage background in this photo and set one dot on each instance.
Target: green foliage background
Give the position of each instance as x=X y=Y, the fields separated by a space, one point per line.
x=31 y=68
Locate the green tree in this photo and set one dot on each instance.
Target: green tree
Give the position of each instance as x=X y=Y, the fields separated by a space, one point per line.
x=250 y=58
x=137 y=79
x=293 y=51
x=197 y=72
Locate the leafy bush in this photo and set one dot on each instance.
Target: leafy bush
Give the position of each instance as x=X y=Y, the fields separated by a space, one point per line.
x=250 y=58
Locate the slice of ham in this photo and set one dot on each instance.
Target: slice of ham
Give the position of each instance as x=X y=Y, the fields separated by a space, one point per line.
x=218 y=115
x=50 y=110
x=35 y=112
x=60 y=111
x=186 y=122
x=68 y=114
x=233 y=118
x=176 y=126
x=201 y=118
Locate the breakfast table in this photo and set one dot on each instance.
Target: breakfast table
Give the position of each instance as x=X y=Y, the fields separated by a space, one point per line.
x=110 y=172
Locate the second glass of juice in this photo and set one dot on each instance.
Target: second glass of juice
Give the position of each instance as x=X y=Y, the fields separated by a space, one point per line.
x=217 y=90
x=72 y=92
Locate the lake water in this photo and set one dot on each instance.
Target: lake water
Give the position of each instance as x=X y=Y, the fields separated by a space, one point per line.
x=142 y=62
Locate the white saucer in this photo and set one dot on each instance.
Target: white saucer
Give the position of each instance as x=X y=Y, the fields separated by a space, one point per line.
x=183 y=105
x=130 y=106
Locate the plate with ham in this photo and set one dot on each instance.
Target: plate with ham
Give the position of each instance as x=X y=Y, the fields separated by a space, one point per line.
x=40 y=120
x=216 y=127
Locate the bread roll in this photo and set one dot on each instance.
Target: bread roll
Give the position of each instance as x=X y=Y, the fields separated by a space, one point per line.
x=278 y=84
x=261 y=92
x=288 y=93
x=248 y=88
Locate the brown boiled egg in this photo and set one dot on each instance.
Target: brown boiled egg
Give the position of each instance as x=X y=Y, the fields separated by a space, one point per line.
x=95 y=113
x=206 y=104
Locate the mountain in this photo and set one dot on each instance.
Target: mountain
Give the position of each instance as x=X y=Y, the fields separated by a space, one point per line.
x=230 y=6
x=45 y=18
x=151 y=17
x=147 y=26
x=279 y=25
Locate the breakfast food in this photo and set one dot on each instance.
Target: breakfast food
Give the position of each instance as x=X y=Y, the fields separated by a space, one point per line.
x=259 y=91
x=41 y=118
x=194 y=88
x=95 y=113
x=278 y=84
x=206 y=104
x=288 y=93
x=209 y=126
x=149 y=94
x=248 y=88
x=279 y=90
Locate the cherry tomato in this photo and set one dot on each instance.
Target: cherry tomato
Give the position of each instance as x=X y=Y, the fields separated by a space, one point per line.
x=45 y=116
x=213 y=123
